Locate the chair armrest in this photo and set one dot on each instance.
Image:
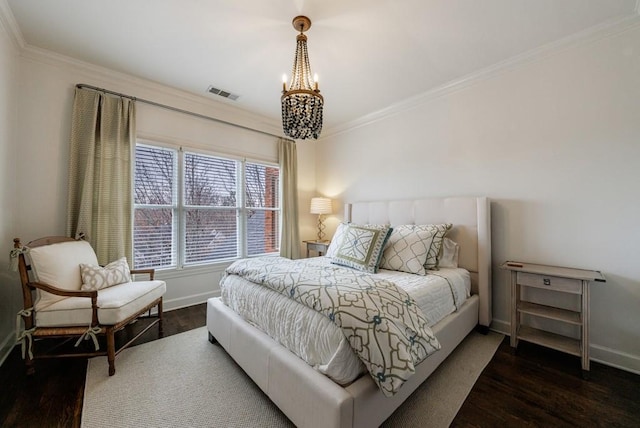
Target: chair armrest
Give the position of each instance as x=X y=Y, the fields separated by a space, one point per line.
x=151 y=272
x=91 y=294
x=66 y=293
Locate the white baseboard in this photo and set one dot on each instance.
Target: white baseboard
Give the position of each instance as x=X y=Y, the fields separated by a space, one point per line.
x=7 y=346
x=501 y=326
x=601 y=354
x=613 y=358
x=183 y=302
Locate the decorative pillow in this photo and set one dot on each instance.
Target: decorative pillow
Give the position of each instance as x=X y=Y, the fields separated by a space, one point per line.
x=336 y=240
x=406 y=251
x=450 y=251
x=57 y=265
x=439 y=231
x=361 y=247
x=97 y=277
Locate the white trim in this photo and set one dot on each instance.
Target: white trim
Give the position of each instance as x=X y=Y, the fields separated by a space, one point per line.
x=596 y=33
x=5 y=348
x=8 y=22
x=600 y=354
x=186 y=301
x=614 y=358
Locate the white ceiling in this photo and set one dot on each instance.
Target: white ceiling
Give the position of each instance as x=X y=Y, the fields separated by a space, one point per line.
x=369 y=54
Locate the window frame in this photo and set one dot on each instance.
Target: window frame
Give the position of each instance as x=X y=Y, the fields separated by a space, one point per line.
x=179 y=207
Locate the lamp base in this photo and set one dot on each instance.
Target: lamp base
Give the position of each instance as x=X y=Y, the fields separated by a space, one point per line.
x=321 y=228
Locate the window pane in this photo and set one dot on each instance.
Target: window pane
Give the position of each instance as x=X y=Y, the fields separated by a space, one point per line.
x=262 y=186
x=211 y=234
x=209 y=181
x=263 y=232
x=154 y=175
x=153 y=244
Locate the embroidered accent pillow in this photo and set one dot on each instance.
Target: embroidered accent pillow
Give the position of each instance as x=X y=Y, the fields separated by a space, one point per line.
x=406 y=251
x=97 y=277
x=336 y=240
x=361 y=247
x=439 y=231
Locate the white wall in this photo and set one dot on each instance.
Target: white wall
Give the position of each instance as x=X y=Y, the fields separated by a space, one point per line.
x=10 y=295
x=46 y=96
x=555 y=144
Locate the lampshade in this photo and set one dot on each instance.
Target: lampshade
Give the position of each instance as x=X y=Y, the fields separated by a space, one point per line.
x=320 y=206
x=302 y=103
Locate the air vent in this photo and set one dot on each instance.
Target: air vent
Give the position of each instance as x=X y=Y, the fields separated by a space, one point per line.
x=222 y=93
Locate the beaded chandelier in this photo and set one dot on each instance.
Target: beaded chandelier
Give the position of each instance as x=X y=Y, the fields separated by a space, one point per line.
x=302 y=102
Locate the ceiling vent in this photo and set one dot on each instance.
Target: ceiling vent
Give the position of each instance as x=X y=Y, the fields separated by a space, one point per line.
x=222 y=93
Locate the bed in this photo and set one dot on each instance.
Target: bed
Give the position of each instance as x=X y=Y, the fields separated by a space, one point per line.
x=311 y=399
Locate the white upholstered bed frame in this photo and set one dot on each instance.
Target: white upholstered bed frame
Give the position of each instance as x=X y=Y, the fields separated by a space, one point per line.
x=310 y=399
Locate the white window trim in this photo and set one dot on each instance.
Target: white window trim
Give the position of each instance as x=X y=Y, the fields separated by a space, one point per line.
x=179 y=227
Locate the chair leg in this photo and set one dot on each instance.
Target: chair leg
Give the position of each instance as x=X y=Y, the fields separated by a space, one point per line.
x=160 y=328
x=111 y=350
x=28 y=361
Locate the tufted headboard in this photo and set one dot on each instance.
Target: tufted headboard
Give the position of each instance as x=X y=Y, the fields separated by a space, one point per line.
x=471 y=220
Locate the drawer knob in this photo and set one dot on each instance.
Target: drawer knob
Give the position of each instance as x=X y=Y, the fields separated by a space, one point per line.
x=546 y=281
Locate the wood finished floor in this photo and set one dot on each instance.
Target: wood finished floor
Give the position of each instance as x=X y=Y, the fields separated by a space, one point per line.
x=536 y=388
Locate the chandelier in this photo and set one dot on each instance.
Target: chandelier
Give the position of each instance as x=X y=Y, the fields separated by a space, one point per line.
x=302 y=102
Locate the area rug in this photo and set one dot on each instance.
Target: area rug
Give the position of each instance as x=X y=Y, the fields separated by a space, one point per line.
x=185 y=381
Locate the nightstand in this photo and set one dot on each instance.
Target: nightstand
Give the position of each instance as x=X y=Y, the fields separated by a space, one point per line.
x=557 y=280
x=318 y=246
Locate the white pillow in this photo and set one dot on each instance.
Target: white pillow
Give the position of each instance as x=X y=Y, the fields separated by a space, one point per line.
x=407 y=250
x=439 y=231
x=96 y=277
x=450 y=252
x=59 y=265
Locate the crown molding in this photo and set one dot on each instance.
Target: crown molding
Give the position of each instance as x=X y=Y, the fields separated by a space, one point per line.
x=591 y=35
x=97 y=75
x=8 y=22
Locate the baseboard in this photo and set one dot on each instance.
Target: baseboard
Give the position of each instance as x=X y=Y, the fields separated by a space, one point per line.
x=600 y=354
x=183 y=302
x=501 y=326
x=613 y=358
x=7 y=346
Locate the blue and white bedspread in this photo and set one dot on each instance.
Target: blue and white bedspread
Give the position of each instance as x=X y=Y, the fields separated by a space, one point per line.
x=382 y=323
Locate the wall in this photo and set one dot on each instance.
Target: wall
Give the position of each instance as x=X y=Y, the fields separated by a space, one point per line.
x=555 y=144
x=45 y=87
x=10 y=296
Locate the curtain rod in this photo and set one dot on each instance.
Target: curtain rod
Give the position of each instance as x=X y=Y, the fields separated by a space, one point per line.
x=179 y=110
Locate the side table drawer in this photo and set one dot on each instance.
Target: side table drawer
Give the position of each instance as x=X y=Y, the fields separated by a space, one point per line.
x=567 y=285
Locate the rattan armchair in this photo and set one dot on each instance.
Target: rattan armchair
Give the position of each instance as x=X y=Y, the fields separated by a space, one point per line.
x=58 y=305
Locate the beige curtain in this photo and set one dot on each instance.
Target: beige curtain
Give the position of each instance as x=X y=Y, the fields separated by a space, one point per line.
x=102 y=140
x=290 y=237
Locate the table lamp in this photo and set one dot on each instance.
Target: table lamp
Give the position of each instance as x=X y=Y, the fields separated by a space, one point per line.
x=320 y=206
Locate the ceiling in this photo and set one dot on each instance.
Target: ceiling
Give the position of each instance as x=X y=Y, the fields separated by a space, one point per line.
x=369 y=54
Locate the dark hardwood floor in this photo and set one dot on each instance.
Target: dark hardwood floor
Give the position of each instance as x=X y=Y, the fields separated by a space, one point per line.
x=537 y=388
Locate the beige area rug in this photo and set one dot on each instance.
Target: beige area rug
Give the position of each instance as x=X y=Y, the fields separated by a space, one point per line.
x=185 y=381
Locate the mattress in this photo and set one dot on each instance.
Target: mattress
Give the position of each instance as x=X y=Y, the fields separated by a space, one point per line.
x=317 y=340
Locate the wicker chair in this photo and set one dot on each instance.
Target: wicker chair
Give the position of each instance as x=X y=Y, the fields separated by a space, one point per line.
x=65 y=309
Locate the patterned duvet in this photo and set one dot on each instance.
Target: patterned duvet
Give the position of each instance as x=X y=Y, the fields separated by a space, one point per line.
x=313 y=336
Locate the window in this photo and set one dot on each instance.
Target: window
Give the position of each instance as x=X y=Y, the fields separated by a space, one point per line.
x=194 y=208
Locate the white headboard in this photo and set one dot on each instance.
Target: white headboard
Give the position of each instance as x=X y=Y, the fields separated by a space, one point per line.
x=471 y=220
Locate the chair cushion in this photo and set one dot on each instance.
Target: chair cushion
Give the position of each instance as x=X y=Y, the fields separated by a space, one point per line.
x=97 y=277
x=115 y=304
x=59 y=265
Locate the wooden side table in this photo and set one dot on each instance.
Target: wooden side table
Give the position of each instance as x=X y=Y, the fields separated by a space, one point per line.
x=558 y=280
x=318 y=246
